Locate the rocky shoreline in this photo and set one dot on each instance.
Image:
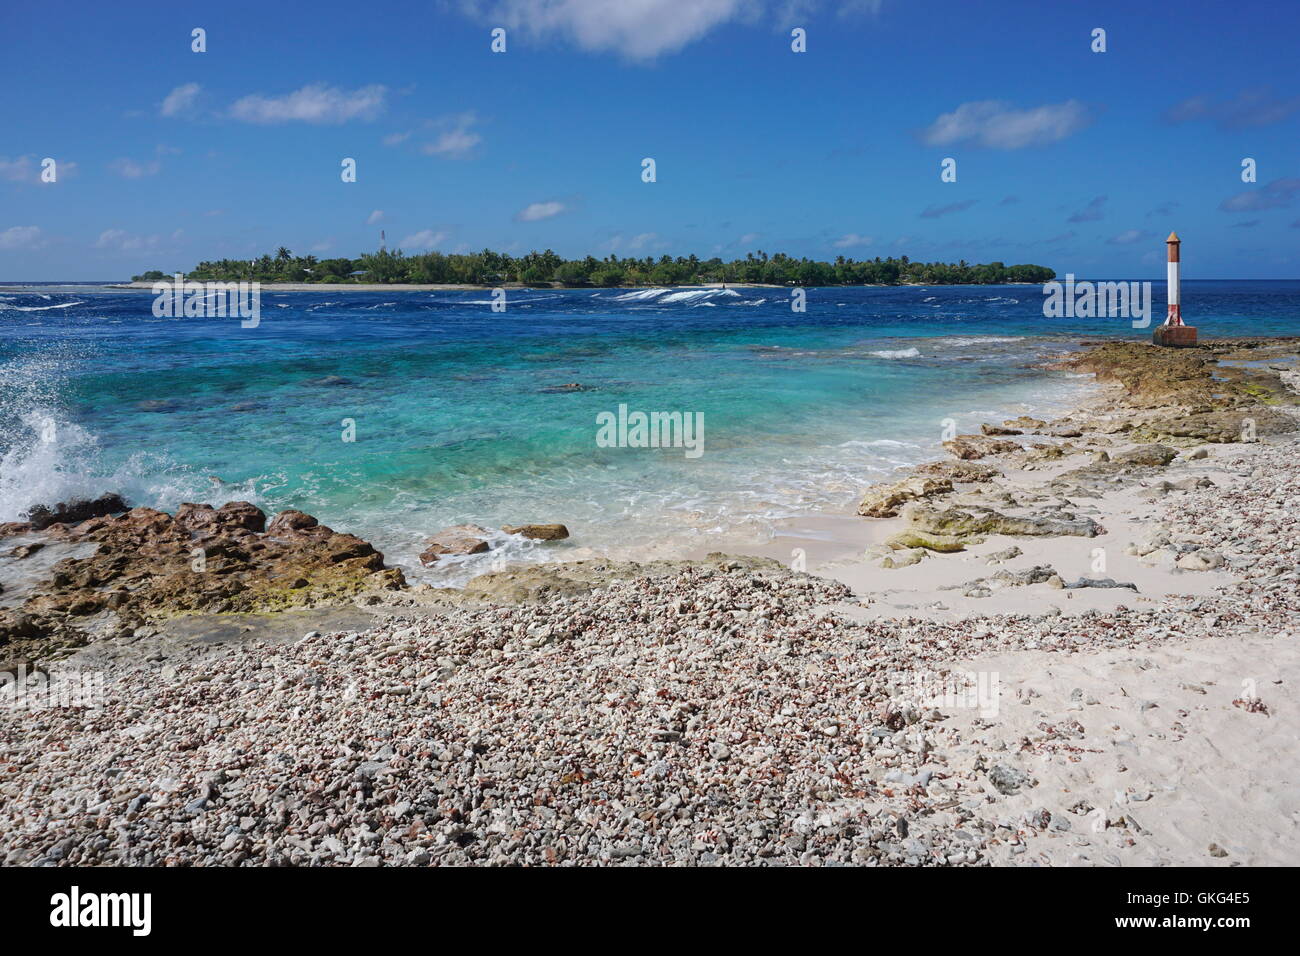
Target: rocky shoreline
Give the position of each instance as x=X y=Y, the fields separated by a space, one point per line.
x=1031 y=479
x=726 y=711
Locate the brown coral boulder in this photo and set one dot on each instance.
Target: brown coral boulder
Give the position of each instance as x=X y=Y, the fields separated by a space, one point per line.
x=148 y=565
x=539 y=532
x=969 y=447
x=457 y=540
x=884 y=500
x=68 y=512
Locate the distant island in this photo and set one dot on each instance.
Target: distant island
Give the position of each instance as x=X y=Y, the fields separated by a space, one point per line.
x=488 y=268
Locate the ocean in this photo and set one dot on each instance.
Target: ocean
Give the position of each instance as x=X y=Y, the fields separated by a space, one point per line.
x=458 y=414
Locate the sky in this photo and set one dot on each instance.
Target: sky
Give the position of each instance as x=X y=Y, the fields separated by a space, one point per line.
x=1067 y=157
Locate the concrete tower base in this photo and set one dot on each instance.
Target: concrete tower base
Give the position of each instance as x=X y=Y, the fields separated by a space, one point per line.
x=1174 y=336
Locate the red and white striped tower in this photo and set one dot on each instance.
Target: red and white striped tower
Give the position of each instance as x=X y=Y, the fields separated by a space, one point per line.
x=1175 y=316
x=1174 y=333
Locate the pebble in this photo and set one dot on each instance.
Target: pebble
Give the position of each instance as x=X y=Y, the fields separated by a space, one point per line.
x=652 y=725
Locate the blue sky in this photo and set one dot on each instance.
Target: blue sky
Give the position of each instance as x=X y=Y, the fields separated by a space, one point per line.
x=1077 y=160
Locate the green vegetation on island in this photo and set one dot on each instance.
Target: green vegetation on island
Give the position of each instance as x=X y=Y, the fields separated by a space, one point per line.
x=490 y=268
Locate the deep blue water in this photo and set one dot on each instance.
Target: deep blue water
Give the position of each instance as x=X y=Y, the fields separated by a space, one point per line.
x=458 y=417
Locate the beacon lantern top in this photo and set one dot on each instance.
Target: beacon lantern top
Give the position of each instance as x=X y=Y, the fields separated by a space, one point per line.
x=1173 y=237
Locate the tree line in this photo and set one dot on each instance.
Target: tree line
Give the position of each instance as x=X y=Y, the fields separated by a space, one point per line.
x=490 y=268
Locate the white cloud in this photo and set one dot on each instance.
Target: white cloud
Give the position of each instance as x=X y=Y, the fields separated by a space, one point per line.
x=316 y=103
x=637 y=29
x=645 y=29
x=1273 y=195
x=457 y=139
x=424 y=239
x=539 y=210
x=25 y=169
x=935 y=212
x=119 y=240
x=998 y=125
x=797 y=13
x=453 y=144
x=180 y=100
x=21 y=237
x=1257 y=107
x=375 y=217
x=17 y=170
x=130 y=169
x=396 y=139
x=1128 y=237
x=1095 y=209
x=852 y=239
x=850 y=7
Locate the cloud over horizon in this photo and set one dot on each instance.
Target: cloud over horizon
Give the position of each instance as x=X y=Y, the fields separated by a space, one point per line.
x=1091 y=212
x=457 y=139
x=21 y=237
x=996 y=124
x=131 y=169
x=314 y=103
x=1272 y=195
x=1129 y=236
x=424 y=240
x=121 y=241
x=537 y=211
x=935 y=212
x=180 y=100
x=851 y=239
x=26 y=169
x=1254 y=107
x=642 y=30
x=636 y=29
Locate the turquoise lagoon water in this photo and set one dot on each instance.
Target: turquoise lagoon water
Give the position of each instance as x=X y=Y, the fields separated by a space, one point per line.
x=460 y=415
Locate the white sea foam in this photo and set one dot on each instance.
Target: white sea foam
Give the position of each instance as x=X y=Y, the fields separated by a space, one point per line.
x=511 y=300
x=640 y=295
x=695 y=295
x=38 y=308
x=54 y=461
x=961 y=342
x=878 y=443
x=661 y=296
x=45 y=458
x=896 y=353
